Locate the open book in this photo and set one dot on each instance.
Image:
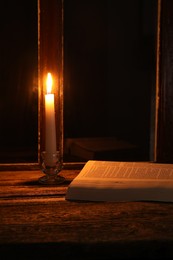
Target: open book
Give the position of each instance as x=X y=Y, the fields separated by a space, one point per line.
x=122 y=181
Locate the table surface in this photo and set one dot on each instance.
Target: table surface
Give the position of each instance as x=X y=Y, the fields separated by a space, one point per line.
x=36 y=221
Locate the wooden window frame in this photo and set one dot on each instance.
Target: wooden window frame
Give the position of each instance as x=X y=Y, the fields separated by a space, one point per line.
x=50 y=58
x=163 y=146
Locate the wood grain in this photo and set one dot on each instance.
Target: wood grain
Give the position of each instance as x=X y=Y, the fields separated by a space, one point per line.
x=36 y=221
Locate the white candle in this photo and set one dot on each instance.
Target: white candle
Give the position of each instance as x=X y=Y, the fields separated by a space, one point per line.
x=50 y=142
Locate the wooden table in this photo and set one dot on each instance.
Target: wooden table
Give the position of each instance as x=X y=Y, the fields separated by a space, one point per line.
x=37 y=222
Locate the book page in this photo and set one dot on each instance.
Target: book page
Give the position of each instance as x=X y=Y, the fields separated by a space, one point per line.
x=112 y=181
x=127 y=170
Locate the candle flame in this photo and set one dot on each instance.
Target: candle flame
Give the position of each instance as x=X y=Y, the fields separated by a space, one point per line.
x=49 y=83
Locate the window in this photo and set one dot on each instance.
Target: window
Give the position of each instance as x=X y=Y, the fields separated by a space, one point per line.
x=113 y=75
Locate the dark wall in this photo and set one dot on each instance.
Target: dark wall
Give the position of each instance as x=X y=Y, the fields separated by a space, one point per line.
x=18 y=80
x=109 y=68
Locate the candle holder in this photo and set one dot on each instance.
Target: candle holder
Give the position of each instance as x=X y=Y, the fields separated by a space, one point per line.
x=51 y=166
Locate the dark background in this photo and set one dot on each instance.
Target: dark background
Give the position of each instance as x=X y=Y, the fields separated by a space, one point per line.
x=109 y=73
x=18 y=81
x=109 y=76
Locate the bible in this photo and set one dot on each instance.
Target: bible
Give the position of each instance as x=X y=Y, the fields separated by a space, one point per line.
x=122 y=181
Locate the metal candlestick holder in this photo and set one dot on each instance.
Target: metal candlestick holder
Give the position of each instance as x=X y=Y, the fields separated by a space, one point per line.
x=51 y=166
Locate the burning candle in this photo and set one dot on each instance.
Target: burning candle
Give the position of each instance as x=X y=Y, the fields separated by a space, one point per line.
x=50 y=142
